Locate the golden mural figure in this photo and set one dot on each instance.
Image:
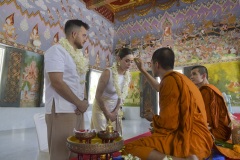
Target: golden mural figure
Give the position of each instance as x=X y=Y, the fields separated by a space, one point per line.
x=107 y=61
x=34 y=40
x=9 y=29
x=97 y=61
x=55 y=38
x=167 y=34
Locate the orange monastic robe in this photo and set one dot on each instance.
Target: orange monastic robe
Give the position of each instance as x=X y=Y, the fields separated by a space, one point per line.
x=217 y=112
x=180 y=129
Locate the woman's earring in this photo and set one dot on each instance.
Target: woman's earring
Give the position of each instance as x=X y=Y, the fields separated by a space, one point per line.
x=118 y=64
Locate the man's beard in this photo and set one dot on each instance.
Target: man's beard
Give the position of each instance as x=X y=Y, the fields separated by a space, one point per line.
x=78 y=45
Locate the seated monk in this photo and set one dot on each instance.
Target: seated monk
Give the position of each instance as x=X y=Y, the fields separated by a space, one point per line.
x=217 y=113
x=180 y=130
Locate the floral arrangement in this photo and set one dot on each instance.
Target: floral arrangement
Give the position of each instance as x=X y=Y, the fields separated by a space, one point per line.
x=235 y=124
x=81 y=62
x=122 y=93
x=130 y=157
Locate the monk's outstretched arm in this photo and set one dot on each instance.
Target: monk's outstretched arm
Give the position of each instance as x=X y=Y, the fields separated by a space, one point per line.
x=151 y=80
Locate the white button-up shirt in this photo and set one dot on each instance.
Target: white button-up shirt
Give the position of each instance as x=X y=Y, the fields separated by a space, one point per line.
x=57 y=59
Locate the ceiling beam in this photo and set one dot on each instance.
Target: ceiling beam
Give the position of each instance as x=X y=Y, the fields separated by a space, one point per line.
x=92 y=4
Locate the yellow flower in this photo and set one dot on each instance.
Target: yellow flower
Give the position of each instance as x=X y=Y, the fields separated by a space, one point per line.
x=236 y=148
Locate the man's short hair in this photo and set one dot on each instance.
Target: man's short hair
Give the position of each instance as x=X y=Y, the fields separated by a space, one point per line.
x=201 y=69
x=165 y=57
x=70 y=24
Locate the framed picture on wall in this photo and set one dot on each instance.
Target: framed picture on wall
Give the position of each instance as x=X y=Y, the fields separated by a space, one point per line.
x=148 y=96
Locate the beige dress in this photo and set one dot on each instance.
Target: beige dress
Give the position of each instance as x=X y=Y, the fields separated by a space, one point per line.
x=110 y=98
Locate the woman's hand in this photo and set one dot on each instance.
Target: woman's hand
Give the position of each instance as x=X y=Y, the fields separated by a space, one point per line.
x=112 y=116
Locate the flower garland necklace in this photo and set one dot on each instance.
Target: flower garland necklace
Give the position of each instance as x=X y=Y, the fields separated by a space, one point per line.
x=122 y=93
x=81 y=62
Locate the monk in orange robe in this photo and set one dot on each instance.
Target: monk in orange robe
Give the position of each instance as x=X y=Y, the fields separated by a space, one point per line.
x=217 y=112
x=180 y=130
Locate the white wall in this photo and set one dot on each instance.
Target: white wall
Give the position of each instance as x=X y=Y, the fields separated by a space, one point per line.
x=18 y=118
x=131 y=113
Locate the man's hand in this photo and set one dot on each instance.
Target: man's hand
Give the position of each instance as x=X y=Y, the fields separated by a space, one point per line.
x=82 y=106
x=139 y=63
x=77 y=112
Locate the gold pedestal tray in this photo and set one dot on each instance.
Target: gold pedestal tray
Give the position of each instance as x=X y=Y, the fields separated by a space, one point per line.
x=96 y=146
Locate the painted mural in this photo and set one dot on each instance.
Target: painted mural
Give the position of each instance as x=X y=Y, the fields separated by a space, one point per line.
x=226 y=76
x=133 y=98
x=31 y=80
x=36 y=25
x=203 y=32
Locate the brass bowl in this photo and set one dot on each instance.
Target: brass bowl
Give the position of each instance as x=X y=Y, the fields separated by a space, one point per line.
x=107 y=137
x=85 y=136
x=96 y=147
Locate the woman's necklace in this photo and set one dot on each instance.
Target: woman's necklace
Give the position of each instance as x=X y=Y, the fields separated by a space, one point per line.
x=81 y=62
x=121 y=92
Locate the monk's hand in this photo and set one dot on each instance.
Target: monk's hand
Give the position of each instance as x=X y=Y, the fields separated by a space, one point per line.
x=151 y=129
x=148 y=114
x=139 y=63
x=209 y=128
x=192 y=157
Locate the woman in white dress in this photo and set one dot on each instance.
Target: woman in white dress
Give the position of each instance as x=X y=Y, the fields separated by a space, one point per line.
x=111 y=91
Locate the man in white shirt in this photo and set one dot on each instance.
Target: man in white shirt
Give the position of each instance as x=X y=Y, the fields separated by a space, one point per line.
x=65 y=70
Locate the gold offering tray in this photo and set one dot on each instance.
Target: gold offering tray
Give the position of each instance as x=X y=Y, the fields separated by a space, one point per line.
x=95 y=147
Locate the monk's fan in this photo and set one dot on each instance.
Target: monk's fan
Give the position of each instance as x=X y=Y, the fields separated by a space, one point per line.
x=235 y=147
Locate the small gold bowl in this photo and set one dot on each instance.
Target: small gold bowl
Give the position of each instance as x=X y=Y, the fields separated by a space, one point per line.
x=107 y=137
x=85 y=137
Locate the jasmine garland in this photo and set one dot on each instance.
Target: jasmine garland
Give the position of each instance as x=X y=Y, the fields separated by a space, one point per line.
x=81 y=62
x=121 y=92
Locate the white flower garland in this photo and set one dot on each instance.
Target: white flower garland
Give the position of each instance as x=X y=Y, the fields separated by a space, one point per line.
x=81 y=62
x=122 y=93
x=130 y=157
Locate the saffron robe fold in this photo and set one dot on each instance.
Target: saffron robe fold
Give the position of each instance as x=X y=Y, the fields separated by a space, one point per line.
x=217 y=112
x=180 y=129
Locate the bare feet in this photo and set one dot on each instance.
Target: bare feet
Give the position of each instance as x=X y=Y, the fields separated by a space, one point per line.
x=192 y=157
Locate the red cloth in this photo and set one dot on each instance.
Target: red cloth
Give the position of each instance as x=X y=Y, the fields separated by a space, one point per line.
x=237 y=115
x=137 y=137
